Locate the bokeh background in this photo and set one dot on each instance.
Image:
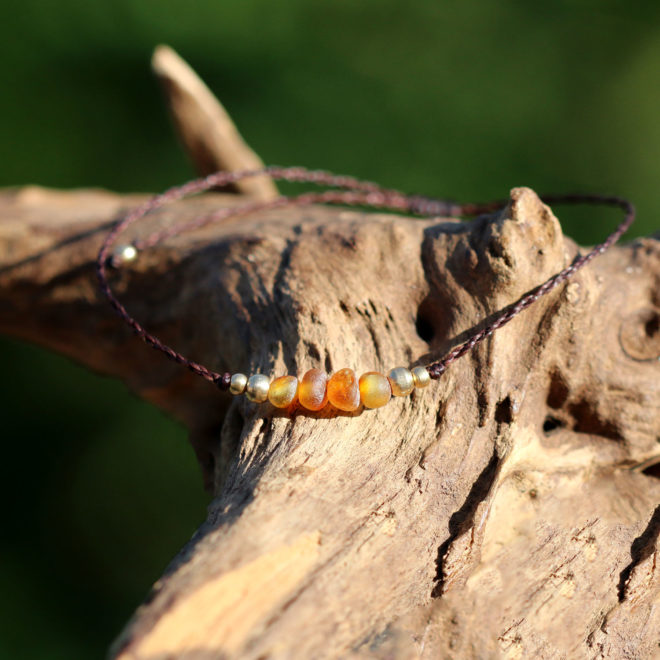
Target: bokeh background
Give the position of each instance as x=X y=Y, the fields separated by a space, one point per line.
x=461 y=99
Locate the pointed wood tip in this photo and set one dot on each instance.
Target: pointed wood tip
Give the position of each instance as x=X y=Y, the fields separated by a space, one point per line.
x=162 y=52
x=209 y=136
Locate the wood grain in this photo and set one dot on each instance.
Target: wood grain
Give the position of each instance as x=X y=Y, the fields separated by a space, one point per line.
x=510 y=510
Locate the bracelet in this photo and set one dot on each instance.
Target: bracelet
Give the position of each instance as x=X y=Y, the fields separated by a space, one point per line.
x=343 y=389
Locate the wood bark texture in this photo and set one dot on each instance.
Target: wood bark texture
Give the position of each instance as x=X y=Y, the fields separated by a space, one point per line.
x=510 y=510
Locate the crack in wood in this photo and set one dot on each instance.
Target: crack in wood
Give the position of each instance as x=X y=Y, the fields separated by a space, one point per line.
x=565 y=348
x=461 y=521
x=641 y=548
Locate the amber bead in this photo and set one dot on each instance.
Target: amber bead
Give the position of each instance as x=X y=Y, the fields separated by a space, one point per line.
x=343 y=390
x=282 y=391
x=312 y=393
x=401 y=380
x=375 y=390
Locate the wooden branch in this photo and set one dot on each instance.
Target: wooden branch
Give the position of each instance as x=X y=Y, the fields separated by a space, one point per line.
x=509 y=510
x=350 y=532
x=208 y=134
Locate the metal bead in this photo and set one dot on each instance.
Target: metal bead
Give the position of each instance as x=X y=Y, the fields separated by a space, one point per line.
x=420 y=376
x=124 y=254
x=238 y=383
x=401 y=380
x=257 y=388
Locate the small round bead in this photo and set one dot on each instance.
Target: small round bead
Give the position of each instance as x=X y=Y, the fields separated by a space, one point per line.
x=421 y=376
x=401 y=380
x=375 y=390
x=282 y=391
x=122 y=254
x=257 y=388
x=238 y=383
x=223 y=381
x=343 y=390
x=312 y=393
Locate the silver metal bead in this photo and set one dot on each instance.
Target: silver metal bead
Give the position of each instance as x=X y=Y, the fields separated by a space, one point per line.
x=401 y=381
x=238 y=383
x=257 y=388
x=420 y=376
x=123 y=254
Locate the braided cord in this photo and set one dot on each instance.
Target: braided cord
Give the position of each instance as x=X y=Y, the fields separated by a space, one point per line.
x=347 y=191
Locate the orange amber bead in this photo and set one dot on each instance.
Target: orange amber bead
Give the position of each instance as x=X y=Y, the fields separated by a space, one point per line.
x=375 y=389
x=312 y=390
x=343 y=390
x=282 y=391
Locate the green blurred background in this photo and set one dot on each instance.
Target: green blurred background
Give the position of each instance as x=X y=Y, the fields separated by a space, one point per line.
x=462 y=99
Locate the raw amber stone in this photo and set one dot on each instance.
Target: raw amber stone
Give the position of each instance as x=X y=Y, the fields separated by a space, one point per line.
x=312 y=392
x=375 y=390
x=282 y=391
x=343 y=390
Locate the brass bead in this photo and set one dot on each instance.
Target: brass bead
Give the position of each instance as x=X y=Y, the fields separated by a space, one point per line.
x=238 y=383
x=283 y=391
x=375 y=390
x=421 y=376
x=257 y=388
x=401 y=380
x=124 y=254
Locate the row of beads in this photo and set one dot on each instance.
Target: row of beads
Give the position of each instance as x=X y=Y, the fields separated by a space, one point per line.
x=343 y=389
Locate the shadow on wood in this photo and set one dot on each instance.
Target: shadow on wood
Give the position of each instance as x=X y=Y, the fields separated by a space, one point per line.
x=508 y=510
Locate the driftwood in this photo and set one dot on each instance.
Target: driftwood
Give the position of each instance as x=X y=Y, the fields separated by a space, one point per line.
x=509 y=510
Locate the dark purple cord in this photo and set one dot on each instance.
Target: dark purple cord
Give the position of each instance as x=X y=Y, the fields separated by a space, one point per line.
x=344 y=190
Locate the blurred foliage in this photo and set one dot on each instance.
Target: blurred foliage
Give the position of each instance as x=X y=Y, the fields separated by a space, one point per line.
x=461 y=99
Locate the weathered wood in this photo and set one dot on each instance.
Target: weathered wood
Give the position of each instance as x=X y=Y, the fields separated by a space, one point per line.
x=509 y=510
x=207 y=132
x=330 y=530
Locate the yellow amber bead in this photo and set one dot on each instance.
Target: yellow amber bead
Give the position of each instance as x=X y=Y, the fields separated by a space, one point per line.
x=401 y=380
x=375 y=390
x=421 y=376
x=282 y=391
x=343 y=390
x=312 y=392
